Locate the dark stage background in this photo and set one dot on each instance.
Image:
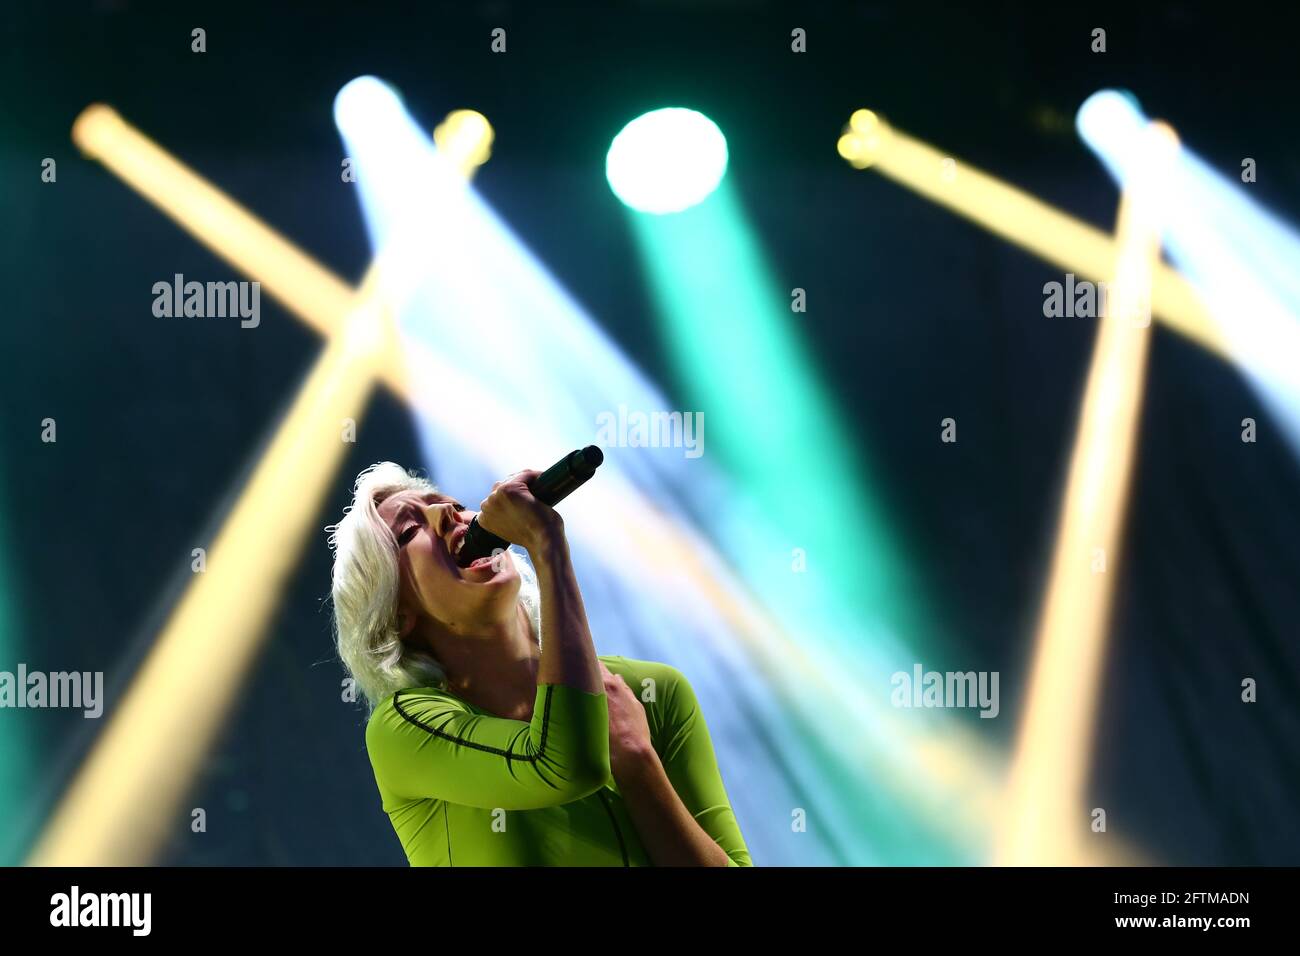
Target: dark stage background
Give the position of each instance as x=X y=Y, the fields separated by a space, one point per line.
x=914 y=315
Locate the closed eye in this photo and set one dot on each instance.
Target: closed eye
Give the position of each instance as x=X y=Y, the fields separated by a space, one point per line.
x=407 y=534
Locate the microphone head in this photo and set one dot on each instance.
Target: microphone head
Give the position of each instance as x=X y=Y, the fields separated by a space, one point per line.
x=592 y=456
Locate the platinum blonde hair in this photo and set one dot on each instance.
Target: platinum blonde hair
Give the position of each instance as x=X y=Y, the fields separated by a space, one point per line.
x=365 y=587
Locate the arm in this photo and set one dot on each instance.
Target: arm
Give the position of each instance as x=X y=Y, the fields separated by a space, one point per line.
x=670 y=781
x=667 y=829
x=425 y=744
x=568 y=654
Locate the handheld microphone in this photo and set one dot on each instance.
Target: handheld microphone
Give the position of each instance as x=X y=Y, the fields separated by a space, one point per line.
x=550 y=487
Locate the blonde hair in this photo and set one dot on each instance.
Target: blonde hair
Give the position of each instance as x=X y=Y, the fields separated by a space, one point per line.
x=365 y=587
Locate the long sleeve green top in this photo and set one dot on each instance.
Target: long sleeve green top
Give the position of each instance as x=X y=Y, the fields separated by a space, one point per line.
x=465 y=788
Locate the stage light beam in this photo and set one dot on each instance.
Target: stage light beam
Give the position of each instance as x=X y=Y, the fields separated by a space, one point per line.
x=1044 y=815
x=666 y=160
x=1021 y=219
x=1243 y=260
x=125 y=795
x=125 y=798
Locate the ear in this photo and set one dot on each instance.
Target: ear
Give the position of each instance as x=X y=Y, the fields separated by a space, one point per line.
x=405 y=622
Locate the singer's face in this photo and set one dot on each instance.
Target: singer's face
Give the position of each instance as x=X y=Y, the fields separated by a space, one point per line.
x=428 y=527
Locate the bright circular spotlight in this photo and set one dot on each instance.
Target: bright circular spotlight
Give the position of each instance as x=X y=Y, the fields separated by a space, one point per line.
x=864 y=139
x=361 y=100
x=1107 y=114
x=667 y=160
x=466 y=136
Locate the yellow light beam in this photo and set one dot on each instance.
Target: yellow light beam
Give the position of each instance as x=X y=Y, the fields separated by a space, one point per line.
x=1036 y=226
x=296 y=281
x=126 y=796
x=1045 y=818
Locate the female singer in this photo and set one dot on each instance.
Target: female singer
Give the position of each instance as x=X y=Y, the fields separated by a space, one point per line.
x=490 y=746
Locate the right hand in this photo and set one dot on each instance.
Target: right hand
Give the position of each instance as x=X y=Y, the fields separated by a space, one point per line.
x=510 y=511
x=630 y=747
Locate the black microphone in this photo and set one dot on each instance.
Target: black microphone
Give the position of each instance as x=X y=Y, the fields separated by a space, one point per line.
x=550 y=487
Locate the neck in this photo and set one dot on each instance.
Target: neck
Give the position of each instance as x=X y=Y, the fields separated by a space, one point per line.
x=491 y=664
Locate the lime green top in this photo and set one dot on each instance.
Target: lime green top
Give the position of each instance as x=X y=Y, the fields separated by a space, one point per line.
x=465 y=788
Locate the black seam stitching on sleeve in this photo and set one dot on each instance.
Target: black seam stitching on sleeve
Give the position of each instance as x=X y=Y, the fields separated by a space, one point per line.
x=622 y=847
x=530 y=758
x=446 y=822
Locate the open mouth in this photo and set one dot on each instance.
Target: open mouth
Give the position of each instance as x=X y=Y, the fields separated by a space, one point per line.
x=457 y=540
x=456 y=543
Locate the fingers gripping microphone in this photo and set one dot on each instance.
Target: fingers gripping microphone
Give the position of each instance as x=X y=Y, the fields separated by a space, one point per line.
x=550 y=487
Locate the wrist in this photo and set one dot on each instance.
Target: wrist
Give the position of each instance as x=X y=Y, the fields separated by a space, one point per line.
x=550 y=546
x=634 y=764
